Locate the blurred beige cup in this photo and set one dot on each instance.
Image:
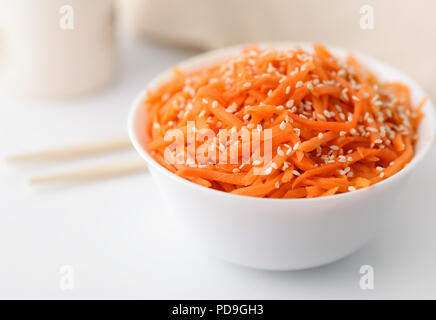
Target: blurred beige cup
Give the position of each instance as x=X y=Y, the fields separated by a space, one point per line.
x=56 y=48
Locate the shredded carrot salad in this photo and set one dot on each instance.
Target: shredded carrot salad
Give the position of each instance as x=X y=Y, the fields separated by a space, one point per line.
x=333 y=127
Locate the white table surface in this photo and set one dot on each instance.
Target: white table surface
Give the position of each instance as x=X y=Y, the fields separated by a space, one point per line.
x=122 y=244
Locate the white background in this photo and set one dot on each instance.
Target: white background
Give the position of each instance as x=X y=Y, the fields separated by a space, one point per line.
x=122 y=244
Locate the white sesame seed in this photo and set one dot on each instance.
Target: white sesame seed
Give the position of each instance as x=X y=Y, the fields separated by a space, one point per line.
x=296 y=146
x=296 y=173
x=277 y=185
x=232 y=108
x=288 y=89
x=299 y=84
x=378 y=168
x=382 y=174
x=366 y=116
x=380 y=117
x=371 y=129
x=342 y=73
x=280 y=152
x=290 y=104
x=320 y=116
x=310 y=86
x=274 y=165
x=344 y=94
x=205 y=101
x=342 y=133
x=351 y=188
x=282 y=125
x=334 y=147
x=350 y=159
x=268 y=171
x=256 y=162
x=320 y=135
x=378 y=141
x=391 y=163
x=156 y=125
x=355 y=98
x=247 y=84
x=214 y=104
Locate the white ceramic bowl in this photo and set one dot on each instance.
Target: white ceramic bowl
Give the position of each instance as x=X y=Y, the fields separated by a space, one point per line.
x=281 y=234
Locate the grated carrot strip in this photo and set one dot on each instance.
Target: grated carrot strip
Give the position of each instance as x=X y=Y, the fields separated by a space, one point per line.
x=333 y=126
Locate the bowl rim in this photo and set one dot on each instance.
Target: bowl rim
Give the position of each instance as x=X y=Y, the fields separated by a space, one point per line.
x=226 y=52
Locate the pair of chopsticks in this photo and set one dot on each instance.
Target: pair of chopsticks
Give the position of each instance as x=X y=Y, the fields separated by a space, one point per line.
x=106 y=170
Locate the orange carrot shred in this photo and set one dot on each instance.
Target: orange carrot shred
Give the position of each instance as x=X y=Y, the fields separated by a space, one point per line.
x=330 y=126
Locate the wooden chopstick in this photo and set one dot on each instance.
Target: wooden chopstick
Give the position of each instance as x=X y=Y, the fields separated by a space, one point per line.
x=93 y=172
x=73 y=151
